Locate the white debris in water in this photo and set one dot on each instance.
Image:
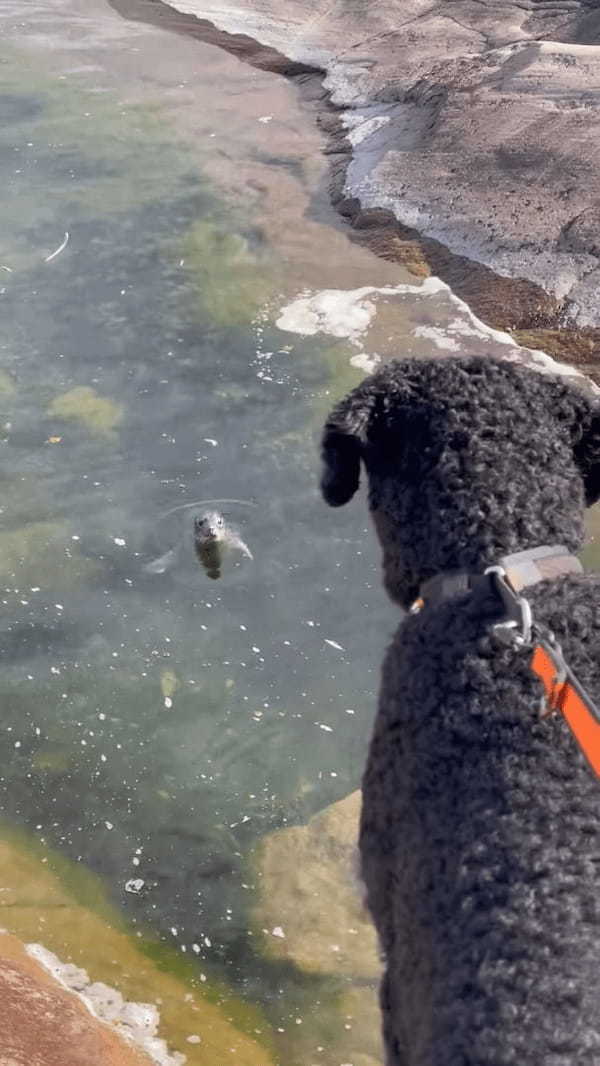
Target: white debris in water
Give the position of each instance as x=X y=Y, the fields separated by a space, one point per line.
x=109 y=825
x=326 y=728
x=137 y=1022
x=194 y=1039
x=439 y=337
x=134 y=885
x=350 y=711
x=168 y=702
x=120 y=541
x=265 y=118
x=365 y=362
x=60 y=248
x=211 y=440
x=278 y=931
x=196 y=948
x=333 y=644
x=349 y=313
x=337 y=312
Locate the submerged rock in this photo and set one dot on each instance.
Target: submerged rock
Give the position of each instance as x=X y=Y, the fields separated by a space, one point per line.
x=310 y=909
x=83 y=404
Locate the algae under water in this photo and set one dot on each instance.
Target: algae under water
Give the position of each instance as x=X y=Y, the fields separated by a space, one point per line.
x=155 y=726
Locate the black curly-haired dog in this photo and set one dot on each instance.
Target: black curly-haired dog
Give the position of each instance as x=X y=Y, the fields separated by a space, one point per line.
x=480 y=834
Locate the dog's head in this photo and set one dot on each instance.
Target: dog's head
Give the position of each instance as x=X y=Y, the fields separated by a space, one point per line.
x=467 y=459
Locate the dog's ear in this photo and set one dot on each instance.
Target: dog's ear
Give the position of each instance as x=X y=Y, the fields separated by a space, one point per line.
x=341 y=445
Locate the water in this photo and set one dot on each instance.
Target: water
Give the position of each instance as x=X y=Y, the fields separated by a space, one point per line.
x=155 y=727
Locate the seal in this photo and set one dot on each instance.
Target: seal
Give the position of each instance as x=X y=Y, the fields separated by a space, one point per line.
x=212 y=539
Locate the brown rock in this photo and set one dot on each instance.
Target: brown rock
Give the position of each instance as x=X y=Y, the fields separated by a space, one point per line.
x=310 y=908
x=578 y=347
x=42 y=1024
x=486 y=121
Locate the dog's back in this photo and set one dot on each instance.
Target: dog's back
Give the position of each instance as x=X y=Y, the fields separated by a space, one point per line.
x=479 y=836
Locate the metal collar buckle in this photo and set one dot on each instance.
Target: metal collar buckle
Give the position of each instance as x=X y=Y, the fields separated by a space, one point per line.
x=516 y=627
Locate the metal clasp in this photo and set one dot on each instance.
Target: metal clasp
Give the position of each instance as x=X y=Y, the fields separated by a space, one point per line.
x=517 y=625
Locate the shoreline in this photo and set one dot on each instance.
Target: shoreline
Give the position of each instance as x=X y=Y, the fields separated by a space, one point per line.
x=534 y=317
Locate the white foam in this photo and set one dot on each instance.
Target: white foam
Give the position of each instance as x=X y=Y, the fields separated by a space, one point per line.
x=366 y=362
x=338 y=312
x=137 y=1022
x=359 y=127
x=348 y=313
x=437 y=336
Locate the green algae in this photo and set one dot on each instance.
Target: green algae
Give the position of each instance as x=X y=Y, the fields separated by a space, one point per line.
x=42 y=552
x=47 y=899
x=229 y=279
x=7 y=384
x=102 y=156
x=100 y=415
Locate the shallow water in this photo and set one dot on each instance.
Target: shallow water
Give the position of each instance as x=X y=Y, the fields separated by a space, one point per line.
x=156 y=726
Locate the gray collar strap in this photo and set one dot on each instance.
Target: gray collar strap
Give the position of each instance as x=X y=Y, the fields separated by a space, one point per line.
x=521 y=569
x=539 y=564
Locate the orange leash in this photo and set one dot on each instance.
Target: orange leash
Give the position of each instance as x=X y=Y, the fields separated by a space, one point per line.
x=564 y=693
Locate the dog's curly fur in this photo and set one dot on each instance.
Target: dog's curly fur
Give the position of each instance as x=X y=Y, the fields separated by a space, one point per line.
x=480 y=833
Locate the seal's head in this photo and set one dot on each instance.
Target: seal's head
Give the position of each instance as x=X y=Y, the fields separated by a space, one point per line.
x=209 y=526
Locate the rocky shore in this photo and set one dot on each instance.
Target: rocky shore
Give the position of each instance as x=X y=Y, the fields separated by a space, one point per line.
x=462 y=138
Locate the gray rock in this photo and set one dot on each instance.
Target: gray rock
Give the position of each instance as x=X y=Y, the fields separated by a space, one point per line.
x=475 y=121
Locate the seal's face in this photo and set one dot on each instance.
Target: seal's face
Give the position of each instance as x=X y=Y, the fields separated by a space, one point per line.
x=209 y=526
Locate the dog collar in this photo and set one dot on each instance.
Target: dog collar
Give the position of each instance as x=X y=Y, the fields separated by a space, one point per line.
x=521 y=570
x=562 y=691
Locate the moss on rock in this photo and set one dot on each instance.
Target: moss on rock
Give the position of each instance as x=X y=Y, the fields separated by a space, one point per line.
x=98 y=414
x=230 y=281
x=310 y=910
x=46 y=899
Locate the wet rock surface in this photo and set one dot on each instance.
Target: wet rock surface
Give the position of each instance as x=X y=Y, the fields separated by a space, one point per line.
x=42 y=1024
x=310 y=910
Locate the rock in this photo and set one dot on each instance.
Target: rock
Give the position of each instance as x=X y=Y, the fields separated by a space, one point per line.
x=42 y=1024
x=578 y=347
x=310 y=909
x=40 y=902
x=582 y=233
x=346 y=1032
x=475 y=124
